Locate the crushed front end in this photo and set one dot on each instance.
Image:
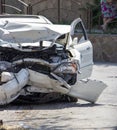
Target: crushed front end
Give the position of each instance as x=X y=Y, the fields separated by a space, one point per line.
x=42 y=62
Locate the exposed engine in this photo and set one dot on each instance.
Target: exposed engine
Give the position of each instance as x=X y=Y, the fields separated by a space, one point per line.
x=45 y=61
x=9 y=61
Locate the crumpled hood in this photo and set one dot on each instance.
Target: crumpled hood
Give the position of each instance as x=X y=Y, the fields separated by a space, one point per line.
x=32 y=32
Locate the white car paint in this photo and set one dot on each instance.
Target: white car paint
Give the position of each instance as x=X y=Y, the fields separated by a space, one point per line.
x=15 y=35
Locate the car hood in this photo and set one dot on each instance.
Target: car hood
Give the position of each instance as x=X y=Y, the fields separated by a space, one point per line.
x=32 y=32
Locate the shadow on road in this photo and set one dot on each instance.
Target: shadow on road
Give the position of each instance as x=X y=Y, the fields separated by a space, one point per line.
x=47 y=106
x=46 y=127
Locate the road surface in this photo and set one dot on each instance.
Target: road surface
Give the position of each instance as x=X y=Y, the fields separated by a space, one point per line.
x=69 y=116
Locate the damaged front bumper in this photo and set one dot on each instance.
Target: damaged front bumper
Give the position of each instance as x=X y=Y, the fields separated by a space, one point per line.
x=88 y=90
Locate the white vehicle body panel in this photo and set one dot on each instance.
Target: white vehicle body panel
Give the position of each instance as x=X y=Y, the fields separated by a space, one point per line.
x=23 y=19
x=26 y=32
x=76 y=60
x=11 y=90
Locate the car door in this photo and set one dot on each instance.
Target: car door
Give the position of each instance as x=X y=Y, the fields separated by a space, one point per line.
x=83 y=45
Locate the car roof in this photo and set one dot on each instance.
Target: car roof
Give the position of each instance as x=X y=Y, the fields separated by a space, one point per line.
x=24 y=19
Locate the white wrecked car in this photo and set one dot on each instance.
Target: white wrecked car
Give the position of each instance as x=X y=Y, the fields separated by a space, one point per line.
x=42 y=62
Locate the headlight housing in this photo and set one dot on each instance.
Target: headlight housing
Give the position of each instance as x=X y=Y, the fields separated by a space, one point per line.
x=66 y=67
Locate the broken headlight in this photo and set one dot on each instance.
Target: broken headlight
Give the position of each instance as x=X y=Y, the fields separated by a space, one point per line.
x=66 y=67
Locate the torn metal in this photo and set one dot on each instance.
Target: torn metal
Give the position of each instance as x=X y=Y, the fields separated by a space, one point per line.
x=43 y=60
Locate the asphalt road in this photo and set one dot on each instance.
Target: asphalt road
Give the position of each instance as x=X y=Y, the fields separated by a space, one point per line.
x=70 y=116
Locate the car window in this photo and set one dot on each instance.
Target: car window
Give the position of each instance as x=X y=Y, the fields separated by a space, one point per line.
x=80 y=32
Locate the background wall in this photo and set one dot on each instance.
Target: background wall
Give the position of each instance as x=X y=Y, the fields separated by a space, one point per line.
x=104 y=47
x=14 y=3
x=62 y=11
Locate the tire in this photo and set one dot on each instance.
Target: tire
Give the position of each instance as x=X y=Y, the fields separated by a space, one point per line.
x=67 y=98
